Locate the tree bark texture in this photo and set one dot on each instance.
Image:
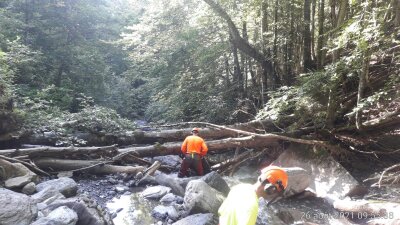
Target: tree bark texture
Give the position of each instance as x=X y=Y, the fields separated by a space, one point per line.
x=242 y=44
x=320 y=39
x=307 y=61
x=51 y=164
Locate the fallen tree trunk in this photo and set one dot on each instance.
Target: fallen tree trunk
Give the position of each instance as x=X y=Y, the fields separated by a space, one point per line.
x=174 y=148
x=58 y=151
x=148 y=137
x=252 y=141
x=94 y=167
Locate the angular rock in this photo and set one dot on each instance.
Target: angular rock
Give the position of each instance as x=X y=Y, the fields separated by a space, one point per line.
x=66 y=186
x=60 y=216
x=47 y=195
x=29 y=189
x=16 y=175
x=169 y=198
x=198 y=219
x=328 y=176
x=201 y=198
x=161 y=212
x=214 y=180
x=299 y=180
x=87 y=214
x=16 y=208
x=155 y=192
x=169 y=181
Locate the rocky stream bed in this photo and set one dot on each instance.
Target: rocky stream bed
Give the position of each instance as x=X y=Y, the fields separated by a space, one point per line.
x=320 y=191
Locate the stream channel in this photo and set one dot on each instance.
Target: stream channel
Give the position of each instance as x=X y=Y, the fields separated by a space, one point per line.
x=128 y=207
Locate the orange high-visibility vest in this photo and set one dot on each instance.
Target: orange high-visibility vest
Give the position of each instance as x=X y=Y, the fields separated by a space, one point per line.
x=194 y=144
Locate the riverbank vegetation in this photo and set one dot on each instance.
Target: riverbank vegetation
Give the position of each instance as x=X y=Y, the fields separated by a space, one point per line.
x=326 y=70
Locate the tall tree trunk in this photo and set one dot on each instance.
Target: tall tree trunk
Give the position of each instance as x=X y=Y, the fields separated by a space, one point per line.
x=313 y=6
x=227 y=72
x=307 y=62
x=236 y=70
x=275 y=48
x=332 y=105
x=343 y=10
x=242 y=44
x=264 y=24
x=396 y=8
x=243 y=59
x=333 y=12
x=361 y=87
x=265 y=50
x=291 y=44
x=320 y=42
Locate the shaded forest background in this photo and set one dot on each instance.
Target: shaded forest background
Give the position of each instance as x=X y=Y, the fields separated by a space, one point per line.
x=100 y=65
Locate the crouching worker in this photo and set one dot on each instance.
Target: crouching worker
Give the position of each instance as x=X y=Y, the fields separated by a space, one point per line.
x=241 y=205
x=193 y=150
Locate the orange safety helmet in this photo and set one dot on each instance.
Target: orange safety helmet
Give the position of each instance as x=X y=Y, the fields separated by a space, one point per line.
x=275 y=176
x=195 y=129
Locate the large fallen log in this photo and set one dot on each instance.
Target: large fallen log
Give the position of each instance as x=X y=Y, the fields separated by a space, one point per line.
x=93 y=167
x=148 y=137
x=58 y=151
x=252 y=141
x=215 y=145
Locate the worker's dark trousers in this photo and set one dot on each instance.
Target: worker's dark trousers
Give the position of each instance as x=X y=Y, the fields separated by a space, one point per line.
x=192 y=161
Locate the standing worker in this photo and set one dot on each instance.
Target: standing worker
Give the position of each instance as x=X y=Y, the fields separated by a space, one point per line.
x=194 y=149
x=241 y=205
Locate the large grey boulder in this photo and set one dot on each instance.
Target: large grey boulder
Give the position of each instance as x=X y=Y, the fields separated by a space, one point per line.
x=47 y=195
x=328 y=176
x=170 y=181
x=198 y=219
x=88 y=213
x=16 y=175
x=162 y=212
x=155 y=192
x=214 y=180
x=60 y=216
x=65 y=185
x=29 y=189
x=201 y=198
x=170 y=198
x=16 y=208
x=299 y=180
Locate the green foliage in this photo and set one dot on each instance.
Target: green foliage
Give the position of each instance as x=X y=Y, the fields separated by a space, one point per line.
x=297 y=102
x=6 y=77
x=40 y=118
